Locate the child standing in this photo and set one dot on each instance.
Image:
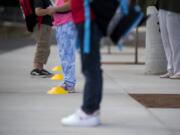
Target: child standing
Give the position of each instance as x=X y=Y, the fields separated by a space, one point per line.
x=43 y=38
x=88 y=114
x=66 y=42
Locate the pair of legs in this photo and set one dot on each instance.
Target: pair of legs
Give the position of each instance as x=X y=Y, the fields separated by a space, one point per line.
x=170 y=31
x=66 y=36
x=42 y=46
x=88 y=115
x=43 y=37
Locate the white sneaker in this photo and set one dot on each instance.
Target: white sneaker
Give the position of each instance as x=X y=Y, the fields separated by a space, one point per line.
x=167 y=75
x=82 y=119
x=175 y=77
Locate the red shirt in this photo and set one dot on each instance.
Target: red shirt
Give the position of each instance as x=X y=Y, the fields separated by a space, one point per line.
x=77 y=9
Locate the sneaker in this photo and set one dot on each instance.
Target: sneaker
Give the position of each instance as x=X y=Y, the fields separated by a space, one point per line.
x=70 y=89
x=47 y=73
x=81 y=119
x=40 y=73
x=175 y=77
x=167 y=75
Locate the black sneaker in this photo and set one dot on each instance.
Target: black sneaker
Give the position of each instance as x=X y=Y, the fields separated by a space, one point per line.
x=47 y=73
x=40 y=73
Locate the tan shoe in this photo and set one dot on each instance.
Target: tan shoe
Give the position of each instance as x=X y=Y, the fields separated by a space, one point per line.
x=175 y=77
x=167 y=75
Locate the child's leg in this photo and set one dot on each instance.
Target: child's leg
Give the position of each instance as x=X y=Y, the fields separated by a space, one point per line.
x=91 y=68
x=43 y=46
x=66 y=41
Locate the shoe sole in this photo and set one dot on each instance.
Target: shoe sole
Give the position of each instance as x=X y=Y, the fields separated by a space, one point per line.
x=164 y=77
x=80 y=125
x=175 y=78
x=71 y=91
x=40 y=76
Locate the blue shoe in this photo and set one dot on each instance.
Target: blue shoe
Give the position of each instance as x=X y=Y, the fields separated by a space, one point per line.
x=68 y=88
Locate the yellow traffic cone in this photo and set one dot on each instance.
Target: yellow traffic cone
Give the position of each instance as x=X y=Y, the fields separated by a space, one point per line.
x=57 y=77
x=57 y=68
x=57 y=90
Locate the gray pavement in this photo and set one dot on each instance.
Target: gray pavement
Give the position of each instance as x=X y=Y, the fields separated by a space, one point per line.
x=26 y=109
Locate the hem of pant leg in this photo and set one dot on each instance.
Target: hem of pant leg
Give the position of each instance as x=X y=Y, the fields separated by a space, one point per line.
x=40 y=62
x=88 y=111
x=70 y=84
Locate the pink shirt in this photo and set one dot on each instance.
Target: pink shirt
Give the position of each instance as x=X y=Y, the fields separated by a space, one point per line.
x=60 y=19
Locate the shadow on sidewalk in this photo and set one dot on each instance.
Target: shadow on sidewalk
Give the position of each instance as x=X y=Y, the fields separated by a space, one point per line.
x=10 y=44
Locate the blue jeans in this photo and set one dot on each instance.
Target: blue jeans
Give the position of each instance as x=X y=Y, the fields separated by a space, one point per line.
x=91 y=68
x=66 y=36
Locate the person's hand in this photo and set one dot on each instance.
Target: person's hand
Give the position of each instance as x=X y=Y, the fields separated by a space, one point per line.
x=51 y=10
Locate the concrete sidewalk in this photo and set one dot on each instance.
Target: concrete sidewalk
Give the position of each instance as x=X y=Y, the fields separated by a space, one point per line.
x=26 y=109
